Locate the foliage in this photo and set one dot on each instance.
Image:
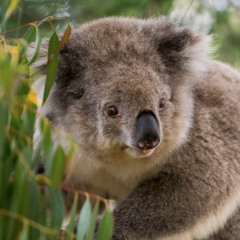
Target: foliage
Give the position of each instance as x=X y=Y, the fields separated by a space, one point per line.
x=32 y=205
x=224 y=13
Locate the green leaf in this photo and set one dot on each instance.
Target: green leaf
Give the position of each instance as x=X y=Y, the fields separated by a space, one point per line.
x=56 y=207
x=72 y=217
x=24 y=88
x=84 y=220
x=53 y=53
x=47 y=146
x=17 y=198
x=24 y=232
x=12 y=6
x=30 y=33
x=91 y=231
x=58 y=165
x=42 y=237
x=38 y=41
x=4 y=109
x=106 y=226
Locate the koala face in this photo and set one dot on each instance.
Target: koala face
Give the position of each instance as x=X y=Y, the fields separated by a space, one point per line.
x=132 y=107
x=124 y=87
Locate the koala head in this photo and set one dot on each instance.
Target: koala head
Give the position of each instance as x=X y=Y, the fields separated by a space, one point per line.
x=124 y=86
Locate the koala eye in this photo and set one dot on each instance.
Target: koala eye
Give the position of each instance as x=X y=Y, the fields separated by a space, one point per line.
x=112 y=111
x=162 y=104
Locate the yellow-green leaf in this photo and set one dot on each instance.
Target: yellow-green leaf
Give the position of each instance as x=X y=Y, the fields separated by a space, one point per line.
x=66 y=35
x=12 y=6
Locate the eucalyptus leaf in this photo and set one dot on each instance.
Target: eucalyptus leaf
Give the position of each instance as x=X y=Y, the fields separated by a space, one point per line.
x=92 y=227
x=66 y=35
x=58 y=165
x=105 y=229
x=34 y=30
x=24 y=232
x=56 y=206
x=84 y=220
x=72 y=217
x=53 y=53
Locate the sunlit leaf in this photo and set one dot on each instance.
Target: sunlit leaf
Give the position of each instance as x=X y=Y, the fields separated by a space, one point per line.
x=84 y=220
x=32 y=97
x=92 y=227
x=66 y=36
x=12 y=6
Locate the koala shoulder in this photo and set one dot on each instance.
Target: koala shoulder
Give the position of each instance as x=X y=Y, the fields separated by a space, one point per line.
x=197 y=191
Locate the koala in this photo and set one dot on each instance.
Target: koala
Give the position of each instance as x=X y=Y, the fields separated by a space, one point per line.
x=157 y=123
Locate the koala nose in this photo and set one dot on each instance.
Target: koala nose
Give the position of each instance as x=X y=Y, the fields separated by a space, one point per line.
x=147 y=134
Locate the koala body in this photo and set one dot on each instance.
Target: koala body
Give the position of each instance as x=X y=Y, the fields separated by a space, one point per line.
x=157 y=124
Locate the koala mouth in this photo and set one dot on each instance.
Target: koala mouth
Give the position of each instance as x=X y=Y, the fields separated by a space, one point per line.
x=138 y=153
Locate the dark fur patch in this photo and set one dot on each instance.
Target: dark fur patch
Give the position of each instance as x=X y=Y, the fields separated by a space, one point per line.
x=50 y=116
x=171 y=46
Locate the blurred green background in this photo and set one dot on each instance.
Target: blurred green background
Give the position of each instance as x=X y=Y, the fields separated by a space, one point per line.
x=218 y=17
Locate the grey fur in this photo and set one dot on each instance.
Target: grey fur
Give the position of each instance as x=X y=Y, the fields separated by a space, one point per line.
x=191 y=180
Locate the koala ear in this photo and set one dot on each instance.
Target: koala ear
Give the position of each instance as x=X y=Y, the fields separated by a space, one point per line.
x=183 y=50
x=65 y=66
x=175 y=41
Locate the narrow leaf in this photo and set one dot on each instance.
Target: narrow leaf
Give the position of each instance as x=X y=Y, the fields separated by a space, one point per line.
x=66 y=35
x=30 y=33
x=56 y=207
x=4 y=109
x=38 y=41
x=72 y=216
x=42 y=237
x=106 y=226
x=53 y=52
x=84 y=220
x=47 y=146
x=58 y=165
x=91 y=231
x=24 y=233
x=12 y=6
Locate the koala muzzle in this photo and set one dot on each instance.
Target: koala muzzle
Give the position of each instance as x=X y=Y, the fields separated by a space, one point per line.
x=147 y=133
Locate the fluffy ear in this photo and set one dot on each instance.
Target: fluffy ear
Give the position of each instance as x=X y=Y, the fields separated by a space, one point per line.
x=70 y=72
x=66 y=65
x=183 y=50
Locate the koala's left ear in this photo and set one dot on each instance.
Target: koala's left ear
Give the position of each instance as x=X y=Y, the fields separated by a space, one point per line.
x=182 y=49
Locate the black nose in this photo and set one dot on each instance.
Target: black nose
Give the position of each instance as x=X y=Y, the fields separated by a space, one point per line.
x=147 y=134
